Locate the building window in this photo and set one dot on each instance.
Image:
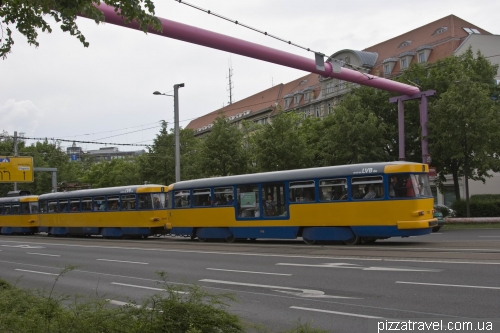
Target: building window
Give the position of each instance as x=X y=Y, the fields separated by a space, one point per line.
x=341 y=84
x=404 y=63
x=288 y=101
x=387 y=69
x=296 y=99
x=307 y=96
x=404 y=44
x=421 y=57
x=440 y=31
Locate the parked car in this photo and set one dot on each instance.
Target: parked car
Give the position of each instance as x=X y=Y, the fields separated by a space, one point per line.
x=439 y=216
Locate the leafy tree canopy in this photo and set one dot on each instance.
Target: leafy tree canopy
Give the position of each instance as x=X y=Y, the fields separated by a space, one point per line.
x=28 y=17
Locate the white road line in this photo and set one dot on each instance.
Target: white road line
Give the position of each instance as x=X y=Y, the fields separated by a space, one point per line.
x=355 y=266
x=336 y=312
x=24 y=246
x=449 y=285
x=446 y=261
x=231 y=270
x=44 y=254
x=25 y=270
x=287 y=290
x=144 y=287
x=488 y=236
x=128 y=262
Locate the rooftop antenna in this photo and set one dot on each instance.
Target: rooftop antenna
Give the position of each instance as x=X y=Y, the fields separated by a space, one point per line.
x=231 y=87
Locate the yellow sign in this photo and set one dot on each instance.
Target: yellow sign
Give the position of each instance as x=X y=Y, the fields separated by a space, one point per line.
x=16 y=169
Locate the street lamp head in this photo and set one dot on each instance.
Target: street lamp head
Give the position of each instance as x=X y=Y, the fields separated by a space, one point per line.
x=157 y=93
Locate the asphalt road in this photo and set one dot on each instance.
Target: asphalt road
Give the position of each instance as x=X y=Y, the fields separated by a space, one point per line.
x=450 y=274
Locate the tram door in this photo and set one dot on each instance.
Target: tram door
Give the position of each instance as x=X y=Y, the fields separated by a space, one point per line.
x=274 y=200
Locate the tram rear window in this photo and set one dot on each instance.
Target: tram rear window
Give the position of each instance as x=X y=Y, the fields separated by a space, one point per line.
x=145 y=201
x=159 y=200
x=34 y=207
x=409 y=186
x=25 y=207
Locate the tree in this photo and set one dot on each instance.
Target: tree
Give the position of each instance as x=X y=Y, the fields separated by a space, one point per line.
x=353 y=134
x=222 y=152
x=280 y=145
x=28 y=17
x=157 y=166
x=117 y=172
x=464 y=122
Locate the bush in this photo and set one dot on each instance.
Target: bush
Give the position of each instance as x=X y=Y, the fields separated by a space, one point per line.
x=187 y=309
x=485 y=197
x=478 y=208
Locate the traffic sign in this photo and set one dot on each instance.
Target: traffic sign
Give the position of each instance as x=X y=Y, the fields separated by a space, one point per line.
x=16 y=169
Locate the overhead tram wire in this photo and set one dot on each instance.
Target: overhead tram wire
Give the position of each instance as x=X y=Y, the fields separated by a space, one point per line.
x=121 y=129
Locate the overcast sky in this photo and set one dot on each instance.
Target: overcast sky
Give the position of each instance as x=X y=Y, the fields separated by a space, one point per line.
x=66 y=91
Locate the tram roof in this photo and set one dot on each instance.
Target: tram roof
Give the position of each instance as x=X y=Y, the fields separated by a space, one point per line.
x=22 y=198
x=365 y=169
x=105 y=191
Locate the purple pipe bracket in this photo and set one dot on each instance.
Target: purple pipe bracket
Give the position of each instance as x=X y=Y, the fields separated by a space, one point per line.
x=190 y=34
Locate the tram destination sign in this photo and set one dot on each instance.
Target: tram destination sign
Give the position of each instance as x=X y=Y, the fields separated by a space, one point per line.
x=16 y=169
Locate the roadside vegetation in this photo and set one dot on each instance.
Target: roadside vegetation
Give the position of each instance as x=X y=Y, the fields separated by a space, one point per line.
x=180 y=309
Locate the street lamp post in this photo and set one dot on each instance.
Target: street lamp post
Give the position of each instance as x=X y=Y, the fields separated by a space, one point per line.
x=176 y=129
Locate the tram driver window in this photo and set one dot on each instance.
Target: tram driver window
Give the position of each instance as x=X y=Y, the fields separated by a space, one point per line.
x=367 y=188
x=302 y=191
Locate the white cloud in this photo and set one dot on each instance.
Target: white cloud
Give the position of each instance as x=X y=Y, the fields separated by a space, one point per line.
x=20 y=116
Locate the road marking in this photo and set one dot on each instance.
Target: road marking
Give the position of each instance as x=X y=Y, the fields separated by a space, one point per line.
x=144 y=287
x=128 y=262
x=25 y=246
x=449 y=285
x=447 y=261
x=336 y=312
x=231 y=270
x=44 y=254
x=355 y=266
x=488 y=236
x=287 y=290
x=25 y=270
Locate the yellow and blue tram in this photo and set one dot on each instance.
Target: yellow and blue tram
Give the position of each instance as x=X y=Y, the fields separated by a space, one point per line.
x=114 y=212
x=19 y=215
x=351 y=204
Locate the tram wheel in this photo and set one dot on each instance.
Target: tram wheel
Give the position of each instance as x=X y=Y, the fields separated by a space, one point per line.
x=309 y=241
x=230 y=239
x=202 y=239
x=367 y=240
x=353 y=241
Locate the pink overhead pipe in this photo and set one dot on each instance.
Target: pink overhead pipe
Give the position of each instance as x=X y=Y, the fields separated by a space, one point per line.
x=222 y=42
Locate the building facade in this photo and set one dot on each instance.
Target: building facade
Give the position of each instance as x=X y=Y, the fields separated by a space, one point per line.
x=316 y=96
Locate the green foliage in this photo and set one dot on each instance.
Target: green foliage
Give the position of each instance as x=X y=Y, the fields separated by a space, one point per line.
x=117 y=172
x=158 y=165
x=28 y=17
x=280 y=145
x=353 y=134
x=485 y=197
x=478 y=208
x=222 y=152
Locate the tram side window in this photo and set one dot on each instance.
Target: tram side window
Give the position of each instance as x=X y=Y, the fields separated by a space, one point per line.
x=99 y=203
x=16 y=209
x=273 y=199
x=63 y=206
x=42 y=204
x=367 y=187
x=248 y=201
x=223 y=196
x=333 y=189
x=113 y=202
x=159 y=200
x=182 y=199
x=25 y=207
x=302 y=191
x=6 y=209
x=145 y=201
x=87 y=204
x=201 y=197
x=128 y=202
x=1 y=209
x=74 y=204
x=53 y=207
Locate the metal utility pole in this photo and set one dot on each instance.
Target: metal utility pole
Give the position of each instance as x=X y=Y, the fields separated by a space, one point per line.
x=15 y=154
x=230 y=86
x=176 y=133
